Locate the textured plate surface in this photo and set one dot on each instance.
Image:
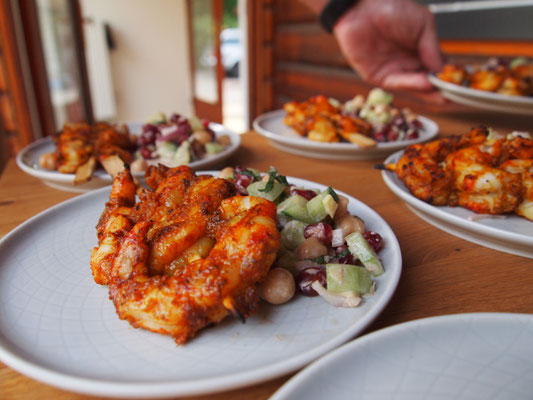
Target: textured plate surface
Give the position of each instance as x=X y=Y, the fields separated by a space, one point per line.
x=28 y=161
x=462 y=356
x=59 y=327
x=483 y=99
x=271 y=126
x=510 y=233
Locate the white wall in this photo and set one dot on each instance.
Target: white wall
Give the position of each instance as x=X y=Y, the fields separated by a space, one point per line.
x=150 y=64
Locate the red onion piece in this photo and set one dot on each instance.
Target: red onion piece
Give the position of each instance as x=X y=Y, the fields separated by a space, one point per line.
x=345 y=299
x=337 y=238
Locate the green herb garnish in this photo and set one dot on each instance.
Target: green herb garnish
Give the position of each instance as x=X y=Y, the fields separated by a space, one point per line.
x=333 y=194
x=250 y=173
x=272 y=177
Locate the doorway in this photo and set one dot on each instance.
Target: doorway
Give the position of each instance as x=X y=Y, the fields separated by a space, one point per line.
x=217 y=39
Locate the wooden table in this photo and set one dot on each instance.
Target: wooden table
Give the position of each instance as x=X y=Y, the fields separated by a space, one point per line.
x=442 y=274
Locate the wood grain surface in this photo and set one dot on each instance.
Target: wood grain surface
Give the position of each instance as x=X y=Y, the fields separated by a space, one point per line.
x=442 y=274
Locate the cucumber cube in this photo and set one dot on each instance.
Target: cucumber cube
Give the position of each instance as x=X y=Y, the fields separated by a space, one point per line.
x=330 y=205
x=360 y=248
x=255 y=189
x=196 y=124
x=157 y=118
x=322 y=205
x=183 y=154
x=295 y=207
x=213 y=147
x=166 y=150
x=348 y=278
x=293 y=234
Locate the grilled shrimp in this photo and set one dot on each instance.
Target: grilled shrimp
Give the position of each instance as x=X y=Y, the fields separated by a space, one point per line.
x=113 y=225
x=177 y=271
x=421 y=170
x=478 y=184
x=525 y=169
x=514 y=80
x=77 y=143
x=488 y=176
x=320 y=120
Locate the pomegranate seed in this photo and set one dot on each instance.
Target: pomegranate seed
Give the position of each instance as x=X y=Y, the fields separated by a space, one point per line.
x=242 y=182
x=146 y=153
x=411 y=134
x=374 y=239
x=305 y=279
x=347 y=259
x=380 y=137
x=307 y=194
x=321 y=231
x=392 y=136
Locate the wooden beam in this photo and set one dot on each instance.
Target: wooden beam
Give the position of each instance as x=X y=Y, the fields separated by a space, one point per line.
x=488 y=48
x=16 y=93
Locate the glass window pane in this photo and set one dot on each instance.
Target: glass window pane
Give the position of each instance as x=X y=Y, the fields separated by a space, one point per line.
x=205 y=60
x=61 y=63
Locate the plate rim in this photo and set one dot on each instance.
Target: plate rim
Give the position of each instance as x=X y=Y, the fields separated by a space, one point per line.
x=165 y=389
x=386 y=334
x=480 y=94
x=438 y=212
x=60 y=178
x=429 y=125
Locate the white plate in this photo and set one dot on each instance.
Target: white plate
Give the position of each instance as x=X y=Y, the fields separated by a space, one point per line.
x=28 y=161
x=484 y=99
x=59 y=327
x=271 y=126
x=510 y=234
x=461 y=356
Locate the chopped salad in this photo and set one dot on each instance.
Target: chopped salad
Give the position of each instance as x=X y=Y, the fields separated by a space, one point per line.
x=389 y=123
x=325 y=250
x=362 y=121
x=179 y=140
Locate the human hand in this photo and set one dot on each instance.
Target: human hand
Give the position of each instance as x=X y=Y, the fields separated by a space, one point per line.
x=391 y=43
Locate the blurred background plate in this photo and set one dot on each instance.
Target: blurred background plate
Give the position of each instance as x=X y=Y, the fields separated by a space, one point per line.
x=483 y=99
x=507 y=233
x=462 y=356
x=271 y=126
x=28 y=161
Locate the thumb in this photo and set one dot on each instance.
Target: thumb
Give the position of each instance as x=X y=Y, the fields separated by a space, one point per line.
x=407 y=81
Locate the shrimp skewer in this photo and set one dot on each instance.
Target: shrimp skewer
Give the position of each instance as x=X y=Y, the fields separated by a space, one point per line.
x=485 y=175
x=113 y=225
x=207 y=290
x=190 y=254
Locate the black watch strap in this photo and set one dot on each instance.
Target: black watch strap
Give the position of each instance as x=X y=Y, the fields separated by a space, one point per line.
x=333 y=11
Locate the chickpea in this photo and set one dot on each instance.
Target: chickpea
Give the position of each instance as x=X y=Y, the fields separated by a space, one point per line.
x=350 y=224
x=358 y=101
x=342 y=207
x=226 y=173
x=202 y=136
x=311 y=248
x=278 y=287
x=224 y=140
x=139 y=165
x=48 y=161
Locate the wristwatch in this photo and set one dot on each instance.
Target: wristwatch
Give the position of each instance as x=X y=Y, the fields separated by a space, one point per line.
x=332 y=12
